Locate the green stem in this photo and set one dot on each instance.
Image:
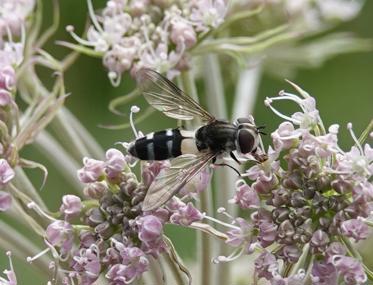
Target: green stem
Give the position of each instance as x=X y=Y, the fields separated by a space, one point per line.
x=66 y=165
x=366 y=132
x=21 y=181
x=247 y=89
x=204 y=242
x=89 y=141
x=224 y=177
x=156 y=271
x=350 y=248
x=68 y=136
x=174 y=269
x=21 y=247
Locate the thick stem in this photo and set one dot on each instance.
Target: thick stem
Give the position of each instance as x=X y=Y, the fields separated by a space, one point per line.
x=247 y=89
x=204 y=242
x=224 y=177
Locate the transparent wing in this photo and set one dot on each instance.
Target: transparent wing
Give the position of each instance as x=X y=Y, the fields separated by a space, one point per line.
x=166 y=97
x=182 y=170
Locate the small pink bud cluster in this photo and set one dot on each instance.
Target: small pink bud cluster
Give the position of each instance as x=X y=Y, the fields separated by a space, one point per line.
x=308 y=194
x=116 y=238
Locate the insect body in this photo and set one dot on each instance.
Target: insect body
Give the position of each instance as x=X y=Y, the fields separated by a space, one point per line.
x=191 y=151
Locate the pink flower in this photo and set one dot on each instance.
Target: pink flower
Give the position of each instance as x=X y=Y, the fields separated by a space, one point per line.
x=5 y=97
x=7 y=78
x=355 y=229
x=6 y=172
x=150 y=228
x=285 y=136
x=95 y=190
x=266 y=265
x=186 y=215
x=323 y=274
x=350 y=268
x=319 y=241
x=86 y=264
x=92 y=171
x=182 y=33
x=245 y=196
x=60 y=234
x=208 y=13
x=151 y=170
x=71 y=206
x=5 y=201
x=242 y=236
x=115 y=162
x=134 y=264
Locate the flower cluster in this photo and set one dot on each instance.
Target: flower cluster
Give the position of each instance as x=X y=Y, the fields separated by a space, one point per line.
x=315 y=14
x=156 y=34
x=115 y=236
x=13 y=14
x=12 y=22
x=310 y=198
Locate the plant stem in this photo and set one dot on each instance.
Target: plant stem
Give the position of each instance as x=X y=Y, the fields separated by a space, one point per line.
x=224 y=177
x=247 y=89
x=89 y=141
x=156 y=272
x=174 y=269
x=12 y=240
x=68 y=136
x=204 y=242
x=60 y=158
x=21 y=181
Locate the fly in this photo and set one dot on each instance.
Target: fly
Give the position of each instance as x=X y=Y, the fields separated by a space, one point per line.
x=190 y=151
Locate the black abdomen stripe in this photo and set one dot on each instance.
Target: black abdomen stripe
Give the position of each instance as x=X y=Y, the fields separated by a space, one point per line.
x=158 y=145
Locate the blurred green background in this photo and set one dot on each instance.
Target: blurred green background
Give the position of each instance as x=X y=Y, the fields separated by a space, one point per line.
x=343 y=87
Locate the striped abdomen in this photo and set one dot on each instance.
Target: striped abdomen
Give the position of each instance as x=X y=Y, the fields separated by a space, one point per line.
x=163 y=145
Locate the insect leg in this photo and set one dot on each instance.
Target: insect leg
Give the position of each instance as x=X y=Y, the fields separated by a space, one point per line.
x=234 y=157
x=230 y=166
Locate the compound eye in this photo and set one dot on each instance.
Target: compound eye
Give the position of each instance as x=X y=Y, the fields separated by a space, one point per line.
x=244 y=121
x=246 y=141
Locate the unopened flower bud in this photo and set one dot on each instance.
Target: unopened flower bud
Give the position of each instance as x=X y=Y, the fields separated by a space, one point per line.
x=92 y=171
x=71 y=206
x=6 y=172
x=5 y=201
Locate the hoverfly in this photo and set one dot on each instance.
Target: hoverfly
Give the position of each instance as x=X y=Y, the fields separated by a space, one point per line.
x=191 y=151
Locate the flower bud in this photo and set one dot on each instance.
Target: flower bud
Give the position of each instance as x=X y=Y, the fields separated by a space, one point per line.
x=71 y=206
x=60 y=234
x=115 y=162
x=6 y=172
x=355 y=229
x=92 y=171
x=186 y=215
x=5 y=201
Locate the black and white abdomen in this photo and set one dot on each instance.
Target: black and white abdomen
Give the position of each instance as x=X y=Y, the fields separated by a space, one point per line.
x=163 y=145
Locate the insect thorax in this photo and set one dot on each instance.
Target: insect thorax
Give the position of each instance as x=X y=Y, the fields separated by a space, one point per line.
x=218 y=136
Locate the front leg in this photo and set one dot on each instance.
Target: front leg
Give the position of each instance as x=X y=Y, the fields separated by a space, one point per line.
x=234 y=157
x=224 y=164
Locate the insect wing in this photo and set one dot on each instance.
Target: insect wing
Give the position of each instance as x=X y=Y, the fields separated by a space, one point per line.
x=166 y=97
x=167 y=184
